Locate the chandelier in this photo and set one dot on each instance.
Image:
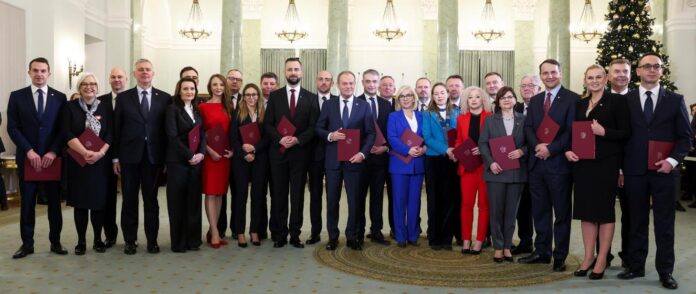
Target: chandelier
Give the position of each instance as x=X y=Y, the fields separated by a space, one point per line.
x=292 y=28
x=194 y=28
x=389 y=28
x=488 y=28
x=586 y=29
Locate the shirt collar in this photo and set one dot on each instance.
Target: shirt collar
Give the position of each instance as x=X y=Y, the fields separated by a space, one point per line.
x=350 y=99
x=655 y=91
x=554 y=91
x=296 y=87
x=35 y=88
x=621 y=93
x=140 y=90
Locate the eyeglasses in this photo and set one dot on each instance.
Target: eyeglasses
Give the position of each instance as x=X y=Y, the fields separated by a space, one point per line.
x=234 y=79
x=250 y=95
x=528 y=86
x=406 y=96
x=88 y=84
x=507 y=97
x=651 y=66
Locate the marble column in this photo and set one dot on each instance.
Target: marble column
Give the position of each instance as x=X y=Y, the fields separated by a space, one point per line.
x=337 y=45
x=137 y=34
x=251 y=41
x=430 y=43
x=448 y=39
x=231 y=36
x=680 y=32
x=558 y=46
x=524 y=40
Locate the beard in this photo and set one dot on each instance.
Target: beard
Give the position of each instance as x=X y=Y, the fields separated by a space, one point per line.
x=292 y=81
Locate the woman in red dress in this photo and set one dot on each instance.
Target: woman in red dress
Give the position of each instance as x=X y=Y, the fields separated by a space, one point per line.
x=216 y=167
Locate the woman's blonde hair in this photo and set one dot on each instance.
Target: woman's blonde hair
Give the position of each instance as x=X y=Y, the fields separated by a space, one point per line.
x=588 y=69
x=464 y=99
x=402 y=90
x=244 y=109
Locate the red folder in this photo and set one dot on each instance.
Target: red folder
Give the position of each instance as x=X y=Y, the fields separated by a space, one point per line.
x=500 y=147
x=464 y=155
x=285 y=128
x=194 y=137
x=658 y=150
x=350 y=146
x=547 y=130
x=411 y=139
x=52 y=173
x=583 y=143
x=90 y=141
x=250 y=133
x=379 y=137
x=217 y=139
x=451 y=137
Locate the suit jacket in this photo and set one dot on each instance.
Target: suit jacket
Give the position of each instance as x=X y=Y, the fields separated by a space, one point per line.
x=612 y=113
x=330 y=121
x=562 y=112
x=27 y=130
x=107 y=102
x=177 y=125
x=519 y=107
x=73 y=121
x=433 y=135
x=396 y=125
x=318 y=143
x=236 y=137
x=670 y=122
x=383 y=110
x=2 y=146
x=131 y=129
x=463 y=123
x=306 y=114
x=493 y=127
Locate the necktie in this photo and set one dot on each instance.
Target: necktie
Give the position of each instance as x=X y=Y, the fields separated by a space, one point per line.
x=323 y=99
x=648 y=107
x=374 y=107
x=422 y=106
x=144 y=105
x=40 y=107
x=547 y=103
x=292 y=102
x=345 y=115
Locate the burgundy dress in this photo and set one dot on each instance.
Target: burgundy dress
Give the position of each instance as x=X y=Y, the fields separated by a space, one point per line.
x=215 y=173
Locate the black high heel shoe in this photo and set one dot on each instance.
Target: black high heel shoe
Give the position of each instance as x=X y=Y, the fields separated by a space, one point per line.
x=475 y=252
x=581 y=272
x=498 y=259
x=466 y=251
x=596 y=276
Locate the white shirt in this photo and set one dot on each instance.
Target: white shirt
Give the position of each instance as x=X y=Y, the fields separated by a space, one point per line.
x=113 y=100
x=554 y=93
x=149 y=95
x=297 y=93
x=340 y=110
x=421 y=106
x=624 y=92
x=412 y=122
x=369 y=103
x=455 y=103
x=321 y=101
x=655 y=93
x=265 y=102
x=189 y=111
x=234 y=98
x=35 y=94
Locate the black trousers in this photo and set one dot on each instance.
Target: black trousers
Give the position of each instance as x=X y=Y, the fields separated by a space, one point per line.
x=552 y=211
x=3 y=192
x=137 y=178
x=27 y=217
x=289 y=179
x=109 y=212
x=525 y=222
x=316 y=193
x=372 y=179
x=440 y=182
x=82 y=217
x=184 y=203
x=334 y=180
x=246 y=173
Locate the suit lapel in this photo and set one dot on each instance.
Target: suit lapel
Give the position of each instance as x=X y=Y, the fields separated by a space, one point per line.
x=356 y=107
x=660 y=102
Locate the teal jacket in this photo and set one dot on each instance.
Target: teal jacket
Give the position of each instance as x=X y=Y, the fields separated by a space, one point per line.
x=433 y=136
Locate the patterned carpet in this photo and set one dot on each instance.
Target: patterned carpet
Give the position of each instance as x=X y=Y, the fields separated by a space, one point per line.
x=421 y=266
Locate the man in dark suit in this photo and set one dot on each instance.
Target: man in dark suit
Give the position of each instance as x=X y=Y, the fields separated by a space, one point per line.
x=691 y=165
x=549 y=171
x=376 y=165
x=3 y=192
x=324 y=83
x=234 y=84
x=33 y=126
x=118 y=80
x=139 y=147
x=290 y=155
x=423 y=91
x=386 y=92
x=387 y=89
x=455 y=86
x=492 y=82
x=345 y=112
x=269 y=83
x=657 y=114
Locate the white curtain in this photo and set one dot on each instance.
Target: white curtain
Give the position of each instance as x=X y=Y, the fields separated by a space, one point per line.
x=13 y=62
x=313 y=61
x=473 y=65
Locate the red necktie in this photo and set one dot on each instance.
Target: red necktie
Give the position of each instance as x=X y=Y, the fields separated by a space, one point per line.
x=547 y=103
x=292 y=102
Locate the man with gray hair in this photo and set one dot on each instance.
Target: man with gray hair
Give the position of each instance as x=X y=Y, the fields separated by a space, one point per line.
x=530 y=85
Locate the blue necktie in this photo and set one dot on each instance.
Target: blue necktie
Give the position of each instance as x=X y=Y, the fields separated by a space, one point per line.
x=648 y=107
x=345 y=115
x=40 y=108
x=144 y=107
x=374 y=107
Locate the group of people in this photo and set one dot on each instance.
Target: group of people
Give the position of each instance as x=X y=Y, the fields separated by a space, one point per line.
x=258 y=140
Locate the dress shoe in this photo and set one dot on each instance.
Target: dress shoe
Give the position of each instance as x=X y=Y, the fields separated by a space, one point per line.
x=668 y=281
x=153 y=248
x=401 y=244
x=447 y=247
x=130 y=248
x=534 y=258
x=313 y=240
x=498 y=259
x=353 y=244
x=596 y=276
x=242 y=245
x=460 y=242
x=466 y=251
x=559 y=265
x=193 y=248
x=630 y=274
x=581 y=272
x=678 y=206
x=256 y=243
x=99 y=247
x=332 y=245
x=509 y=258
x=436 y=247
x=413 y=243
x=108 y=243
x=280 y=243
x=692 y=205
x=80 y=249
x=57 y=248
x=23 y=252
x=378 y=238
x=522 y=249
x=295 y=242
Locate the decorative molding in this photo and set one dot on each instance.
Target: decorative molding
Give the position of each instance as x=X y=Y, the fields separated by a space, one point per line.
x=680 y=24
x=119 y=22
x=524 y=9
x=94 y=15
x=692 y=3
x=251 y=9
x=429 y=9
x=81 y=4
x=180 y=45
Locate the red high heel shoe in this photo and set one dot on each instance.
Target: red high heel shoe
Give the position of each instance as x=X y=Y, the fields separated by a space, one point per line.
x=223 y=242
x=215 y=245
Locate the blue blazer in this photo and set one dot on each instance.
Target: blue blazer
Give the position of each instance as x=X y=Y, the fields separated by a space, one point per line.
x=562 y=111
x=434 y=138
x=25 y=128
x=670 y=122
x=395 y=128
x=330 y=121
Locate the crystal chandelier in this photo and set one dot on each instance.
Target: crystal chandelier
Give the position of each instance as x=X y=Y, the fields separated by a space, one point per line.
x=389 y=28
x=292 y=27
x=195 y=28
x=586 y=29
x=488 y=28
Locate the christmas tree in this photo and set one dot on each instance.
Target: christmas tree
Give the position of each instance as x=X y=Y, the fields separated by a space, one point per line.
x=628 y=36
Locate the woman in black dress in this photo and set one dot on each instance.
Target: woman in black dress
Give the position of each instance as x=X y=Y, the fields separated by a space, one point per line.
x=595 y=180
x=86 y=185
x=184 y=160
